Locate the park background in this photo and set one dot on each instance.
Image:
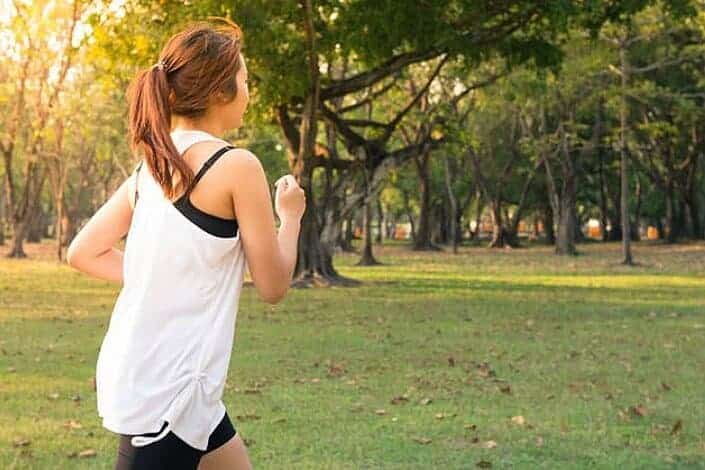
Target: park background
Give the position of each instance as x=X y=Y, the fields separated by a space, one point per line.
x=503 y=235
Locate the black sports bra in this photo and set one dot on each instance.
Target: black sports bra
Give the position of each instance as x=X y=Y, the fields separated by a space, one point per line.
x=217 y=226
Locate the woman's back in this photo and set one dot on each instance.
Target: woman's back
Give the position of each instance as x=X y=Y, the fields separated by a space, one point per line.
x=166 y=353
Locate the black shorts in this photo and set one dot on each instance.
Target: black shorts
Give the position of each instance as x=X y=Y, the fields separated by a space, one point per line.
x=170 y=452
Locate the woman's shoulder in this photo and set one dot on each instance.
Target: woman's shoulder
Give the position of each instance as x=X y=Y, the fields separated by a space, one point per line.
x=241 y=158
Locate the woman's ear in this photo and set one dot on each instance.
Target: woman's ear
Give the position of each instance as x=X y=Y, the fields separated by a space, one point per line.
x=222 y=98
x=172 y=98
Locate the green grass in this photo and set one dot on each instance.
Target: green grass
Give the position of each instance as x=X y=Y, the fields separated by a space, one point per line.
x=601 y=361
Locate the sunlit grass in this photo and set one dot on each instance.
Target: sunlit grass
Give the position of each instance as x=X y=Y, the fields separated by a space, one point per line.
x=602 y=361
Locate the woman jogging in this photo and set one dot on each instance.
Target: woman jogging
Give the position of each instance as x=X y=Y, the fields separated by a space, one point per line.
x=195 y=210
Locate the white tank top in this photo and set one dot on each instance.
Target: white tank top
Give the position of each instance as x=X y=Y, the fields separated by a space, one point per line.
x=167 y=349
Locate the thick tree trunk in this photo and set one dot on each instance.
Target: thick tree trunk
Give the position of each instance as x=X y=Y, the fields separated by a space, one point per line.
x=314 y=264
x=22 y=225
x=20 y=228
x=37 y=226
x=565 y=241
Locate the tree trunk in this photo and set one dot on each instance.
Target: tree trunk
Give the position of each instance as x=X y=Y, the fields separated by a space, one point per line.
x=453 y=202
x=380 y=222
x=422 y=240
x=604 y=209
x=565 y=242
x=671 y=232
x=346 y=241
x=59 y=224
x=624 y=161
x=368 y=258
x=478 y=216
x=637 y=211
x=548 y=225
x=499 y=234
x=23 y=219
x=19 y=232
x=37 y=226
x=314 y=265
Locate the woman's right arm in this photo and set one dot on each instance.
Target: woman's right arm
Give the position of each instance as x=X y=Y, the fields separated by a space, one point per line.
x=271 y=256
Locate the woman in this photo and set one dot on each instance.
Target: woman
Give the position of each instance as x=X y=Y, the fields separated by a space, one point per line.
x=195 y=211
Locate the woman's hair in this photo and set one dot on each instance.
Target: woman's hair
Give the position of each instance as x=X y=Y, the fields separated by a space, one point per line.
x=198 y=62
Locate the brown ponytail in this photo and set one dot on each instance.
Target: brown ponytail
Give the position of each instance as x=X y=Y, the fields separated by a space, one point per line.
x=199 y=63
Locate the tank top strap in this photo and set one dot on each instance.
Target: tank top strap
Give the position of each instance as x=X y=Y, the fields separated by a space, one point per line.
x=211 y=160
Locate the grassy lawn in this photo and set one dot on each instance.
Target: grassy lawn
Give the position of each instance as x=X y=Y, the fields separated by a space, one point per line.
x=508 y=359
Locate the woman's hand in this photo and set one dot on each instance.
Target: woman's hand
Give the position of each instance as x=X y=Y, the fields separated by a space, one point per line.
x=289 y=199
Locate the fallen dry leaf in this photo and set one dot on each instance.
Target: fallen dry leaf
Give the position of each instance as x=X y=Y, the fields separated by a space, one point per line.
x=422 y=440
x=483 y=464
x=20 y=442
x=73 y=424
x=638 y=410
x=247 y=417
x=484 y=370
x=425 y=401
x=518 y=420
x=677 y=427
x=87 y=453
x=336 y=370
x=489 y=444
x=381 y=411
x=399 y=399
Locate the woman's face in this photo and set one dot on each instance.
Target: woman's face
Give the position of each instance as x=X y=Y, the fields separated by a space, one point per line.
x=234 y=111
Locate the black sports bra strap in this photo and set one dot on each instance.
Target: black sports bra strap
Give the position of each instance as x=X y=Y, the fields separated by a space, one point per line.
x=211 y=160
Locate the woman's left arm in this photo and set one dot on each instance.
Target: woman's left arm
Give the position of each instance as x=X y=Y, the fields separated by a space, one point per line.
x=92 y=249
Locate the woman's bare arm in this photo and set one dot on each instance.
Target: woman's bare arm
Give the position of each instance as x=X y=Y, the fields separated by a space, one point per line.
x=92 y=250
x=271 y=256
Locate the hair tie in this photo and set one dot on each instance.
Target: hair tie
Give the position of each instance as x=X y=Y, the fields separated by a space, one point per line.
x=159 y=65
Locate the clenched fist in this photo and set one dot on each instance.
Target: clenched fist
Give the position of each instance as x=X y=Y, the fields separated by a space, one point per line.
x=289 y=198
